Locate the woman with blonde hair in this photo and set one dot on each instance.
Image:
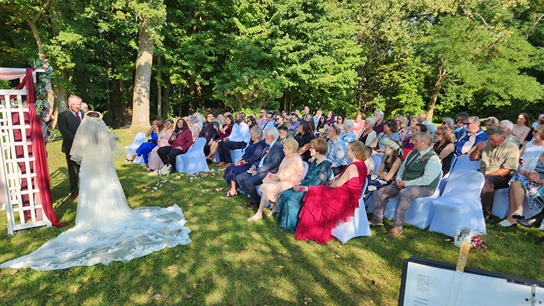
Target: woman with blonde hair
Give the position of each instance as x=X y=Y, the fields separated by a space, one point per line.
x=444 y=147
x=290 y=201
x=289 y=173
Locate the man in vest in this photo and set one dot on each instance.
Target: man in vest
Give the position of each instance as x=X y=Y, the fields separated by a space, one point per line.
x=417 y=177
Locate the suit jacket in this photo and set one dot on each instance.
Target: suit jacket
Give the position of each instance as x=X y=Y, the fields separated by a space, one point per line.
x=272 y=160
x=208 y=131
x=68 y=125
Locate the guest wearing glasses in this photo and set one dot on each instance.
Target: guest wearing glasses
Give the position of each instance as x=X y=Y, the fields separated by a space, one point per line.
x=444 y=147
x=473 y=135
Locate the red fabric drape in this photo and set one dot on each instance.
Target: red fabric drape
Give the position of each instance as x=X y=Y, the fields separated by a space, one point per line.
x=38 y=149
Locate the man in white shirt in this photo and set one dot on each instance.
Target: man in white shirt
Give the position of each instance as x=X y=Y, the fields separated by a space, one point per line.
x=417 y=177
x=238 y=139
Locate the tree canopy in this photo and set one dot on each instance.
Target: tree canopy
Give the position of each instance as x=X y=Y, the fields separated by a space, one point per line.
x=483 y=57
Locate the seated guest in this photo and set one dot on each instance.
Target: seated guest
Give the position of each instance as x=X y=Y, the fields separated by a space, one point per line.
x=283 y=133
x=358 y=124
x=336 y=153
x=197 y=119
x=252 y=154
x=330 y=120
x=447 y=121
x=221 y=119
x=145 y=148
x=498 y=161
x=155 y=162
x=530 y=152
x=460 y=125
x=430 y=126
x=539 y=121
x=369 y=162
x=326 y=206
x=262 y=118
x=268 y=163
x=473 y=135
x=368 y=135
x=507 y=126
x=388 y=168
x=378 y=126
x=321 y=126
x=290 y=172
x=290 y=201
x=180 y=142
x=238 y=139
x=270 y=121
x=491 y=121
x=339 y=120
x=251 y=122
x=317 y=117
x=389 y=131
x=193 y=127
x=309 y=118
x=417 y=177
x=208 y=132
x=305 y=136
x=402 y=127
x=521 y=128
x=222 y=133
x=444 y=147
x=407 y=143
x=525 y=185
x=347 y=134
x=293 y=124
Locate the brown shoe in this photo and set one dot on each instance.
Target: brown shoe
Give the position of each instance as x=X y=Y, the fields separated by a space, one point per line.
x=375 y=223
x=251 y=205
x=221 y=164
x=395 y=231
x=73 y=195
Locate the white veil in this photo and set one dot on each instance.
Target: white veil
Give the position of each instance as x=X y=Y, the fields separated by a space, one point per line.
x=94 y=139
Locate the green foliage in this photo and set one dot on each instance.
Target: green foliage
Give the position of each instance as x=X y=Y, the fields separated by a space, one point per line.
x=346 y=56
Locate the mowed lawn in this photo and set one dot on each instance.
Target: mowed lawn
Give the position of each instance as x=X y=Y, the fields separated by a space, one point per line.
x=233 y=262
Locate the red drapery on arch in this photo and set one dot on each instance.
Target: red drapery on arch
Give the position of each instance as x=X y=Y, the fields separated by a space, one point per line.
x=38 y=148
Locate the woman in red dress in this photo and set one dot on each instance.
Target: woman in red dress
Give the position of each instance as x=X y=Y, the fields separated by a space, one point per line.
x=326 y=206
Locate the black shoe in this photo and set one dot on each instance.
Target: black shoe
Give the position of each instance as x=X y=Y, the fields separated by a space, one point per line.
x=531 y=222
x=488 y=219
x=540 y=241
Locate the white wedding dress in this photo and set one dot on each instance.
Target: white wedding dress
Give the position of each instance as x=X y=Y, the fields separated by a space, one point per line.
x=106 y=229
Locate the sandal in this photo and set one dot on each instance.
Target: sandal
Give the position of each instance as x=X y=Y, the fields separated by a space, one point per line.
x=230 y=195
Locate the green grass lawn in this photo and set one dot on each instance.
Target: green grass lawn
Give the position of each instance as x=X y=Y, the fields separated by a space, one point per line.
x=231 y=261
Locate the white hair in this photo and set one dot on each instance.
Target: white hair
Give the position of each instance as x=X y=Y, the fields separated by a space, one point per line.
x=272 y=131
x=349 y=123
x=507 y=124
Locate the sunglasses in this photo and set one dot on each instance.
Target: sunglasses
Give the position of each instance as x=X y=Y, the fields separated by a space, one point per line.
x=444 y=123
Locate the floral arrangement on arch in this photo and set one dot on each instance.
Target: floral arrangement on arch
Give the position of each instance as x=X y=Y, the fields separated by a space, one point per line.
x=474 y=237
x=43 y=85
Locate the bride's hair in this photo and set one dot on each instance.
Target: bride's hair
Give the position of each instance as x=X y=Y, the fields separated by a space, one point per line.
x=93 y=114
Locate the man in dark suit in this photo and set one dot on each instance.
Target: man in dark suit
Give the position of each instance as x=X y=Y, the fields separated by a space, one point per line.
x=68 y=122
x=269 y=163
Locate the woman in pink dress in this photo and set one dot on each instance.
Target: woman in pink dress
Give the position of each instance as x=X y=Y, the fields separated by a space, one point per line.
x=326 y=206
x=155 y=162
x=290 y=172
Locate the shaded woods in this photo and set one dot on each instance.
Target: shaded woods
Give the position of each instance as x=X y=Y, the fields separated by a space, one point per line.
x=140 y=59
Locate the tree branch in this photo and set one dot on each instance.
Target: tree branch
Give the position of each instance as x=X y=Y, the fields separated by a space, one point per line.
x=41 y=11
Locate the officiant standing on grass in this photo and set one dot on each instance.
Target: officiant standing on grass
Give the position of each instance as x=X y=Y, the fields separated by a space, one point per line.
x=68 y=122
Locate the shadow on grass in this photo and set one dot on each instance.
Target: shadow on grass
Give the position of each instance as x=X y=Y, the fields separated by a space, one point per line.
x=231 y=261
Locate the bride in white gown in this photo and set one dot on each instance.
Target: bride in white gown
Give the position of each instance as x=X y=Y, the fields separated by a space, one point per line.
x=106 y=229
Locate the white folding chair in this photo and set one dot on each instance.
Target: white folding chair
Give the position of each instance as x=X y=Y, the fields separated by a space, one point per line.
x=356 y=226
x=193 y=160
x=460 y=204
x=138 y=140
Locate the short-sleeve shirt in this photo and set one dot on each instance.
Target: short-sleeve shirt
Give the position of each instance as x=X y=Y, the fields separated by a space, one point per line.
x=503 y=156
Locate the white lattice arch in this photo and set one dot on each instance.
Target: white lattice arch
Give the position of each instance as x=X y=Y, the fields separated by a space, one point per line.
x=19 y=195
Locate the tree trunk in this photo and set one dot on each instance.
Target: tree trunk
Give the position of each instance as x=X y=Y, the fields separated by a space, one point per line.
x=166 y=107
x=142 y=83
x=159 y=90
x=440 y=76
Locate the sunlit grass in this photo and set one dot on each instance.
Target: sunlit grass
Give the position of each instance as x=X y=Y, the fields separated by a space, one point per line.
x=234 y=262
